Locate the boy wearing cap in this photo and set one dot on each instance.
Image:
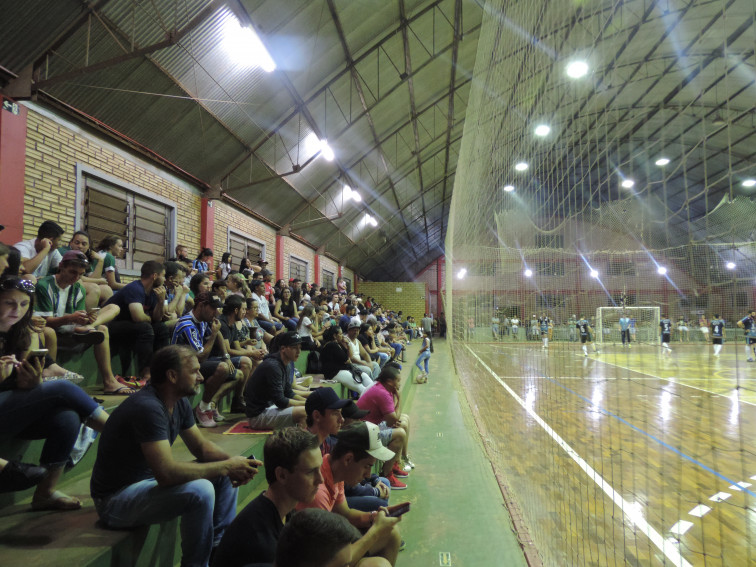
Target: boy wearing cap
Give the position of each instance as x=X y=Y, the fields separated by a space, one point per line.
x=292 y=469
x=270 y=399
x=200 y=329
x=351 y=460
x=61 y=299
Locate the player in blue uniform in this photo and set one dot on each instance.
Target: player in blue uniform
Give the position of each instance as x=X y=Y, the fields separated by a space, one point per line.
x=584 y=328
x=748 y=324
x=544 y=323
x=624 y=323
x=666 y=333
x=717 y=333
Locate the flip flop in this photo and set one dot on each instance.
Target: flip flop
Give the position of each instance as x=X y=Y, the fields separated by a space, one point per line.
x=57 y=501
x=92 y=337
x=131 y=381
x=120 y=391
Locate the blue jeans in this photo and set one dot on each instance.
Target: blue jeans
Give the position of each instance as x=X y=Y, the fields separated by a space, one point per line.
x=365 y=503
x=206 y=508
x=380 y=357
x=291 y=323
x=423 y=357
x=52 y=411
x=397 y=349
x=269 y=327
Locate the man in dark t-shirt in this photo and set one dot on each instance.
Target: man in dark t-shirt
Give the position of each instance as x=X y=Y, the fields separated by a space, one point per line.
x=135 y=480
x=292 y=469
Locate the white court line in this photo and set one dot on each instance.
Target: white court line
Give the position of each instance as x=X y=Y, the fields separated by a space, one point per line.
x=629 y=509
x=700 y=510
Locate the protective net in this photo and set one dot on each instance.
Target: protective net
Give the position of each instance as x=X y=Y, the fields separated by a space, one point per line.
x=584 y=196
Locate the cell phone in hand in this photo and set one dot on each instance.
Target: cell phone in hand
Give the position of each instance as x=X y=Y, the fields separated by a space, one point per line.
x=398 y=509
x=252 y=458
x=39 y=353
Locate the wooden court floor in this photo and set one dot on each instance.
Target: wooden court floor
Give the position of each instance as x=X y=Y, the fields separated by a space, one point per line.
x=626 y=457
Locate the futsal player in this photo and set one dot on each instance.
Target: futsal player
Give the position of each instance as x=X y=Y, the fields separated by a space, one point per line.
x=717 y=333
x=585 y=330
x=666 y=332
x=545 y=325
x=748 y=323
x=515 y=322
x=625 y=329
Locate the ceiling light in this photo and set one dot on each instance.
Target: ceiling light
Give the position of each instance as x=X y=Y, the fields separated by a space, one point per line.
x=749 y=183
x=661 y=270
x=594 y=274
x=509 y=188
x=356 y=197
x=521 y=166
x=577 y=69
x=326 y=151
x=627 y=183
x=661 y=162
x=461 y=273
x=244 y=46
x=528 y=273
x=542 y=130
x=730 y=265
x=369 y=219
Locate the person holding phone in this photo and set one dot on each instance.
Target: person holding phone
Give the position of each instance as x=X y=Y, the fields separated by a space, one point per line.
x=33 y=409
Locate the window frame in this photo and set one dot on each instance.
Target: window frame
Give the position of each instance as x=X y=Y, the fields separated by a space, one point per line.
x=332 y=276
x=293 y=260
x=85 y=172
x=232 y=232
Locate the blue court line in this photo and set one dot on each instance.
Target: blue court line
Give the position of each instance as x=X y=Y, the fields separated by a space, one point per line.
x=638 y=429
x=662 y=443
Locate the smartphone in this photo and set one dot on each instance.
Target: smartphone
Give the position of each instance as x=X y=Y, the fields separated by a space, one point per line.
x=38 y=353
x=94 y=310
x=398 y=509
x=252 y=458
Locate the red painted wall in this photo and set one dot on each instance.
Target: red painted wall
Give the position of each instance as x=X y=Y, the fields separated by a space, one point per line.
x=12 y=168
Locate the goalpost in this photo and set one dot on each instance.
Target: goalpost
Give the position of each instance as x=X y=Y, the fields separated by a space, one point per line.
x=644 y=324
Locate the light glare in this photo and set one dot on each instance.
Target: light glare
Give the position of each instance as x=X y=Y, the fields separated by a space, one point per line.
x=749 y=183
x=521 y=166
x=461 y=273
x=730 y=265
x=326 y=151
x=509 y=188
x=661 y=162
x=627 y=183
x=528 y=273
x=245 y=47
x=594 y=274
x=542 y=130
x=661 y=270
x=577 y=69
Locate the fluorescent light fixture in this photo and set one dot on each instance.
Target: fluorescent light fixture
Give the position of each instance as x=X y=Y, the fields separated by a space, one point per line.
x=356 y=197
x=661 y=162
x=661 y=270
x=244 y=46
x=369 y=219
x=730 y=265
x=347 y=193
x=461 y=273
x=542 y=130
x=326 y=151
x=509 y=188
x=749 y=183
x=577 y=69
x=521 y=166
x=627 y=183
x=594 y=274
x=528 y=273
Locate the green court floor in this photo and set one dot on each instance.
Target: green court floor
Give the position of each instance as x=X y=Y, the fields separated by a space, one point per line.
x=458 y=517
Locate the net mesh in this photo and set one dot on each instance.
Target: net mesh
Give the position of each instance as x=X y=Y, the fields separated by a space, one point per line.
x=636 y=201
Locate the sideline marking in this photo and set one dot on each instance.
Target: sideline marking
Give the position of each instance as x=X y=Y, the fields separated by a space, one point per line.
x=700 y=510
x=720 y=496
x=630 y=510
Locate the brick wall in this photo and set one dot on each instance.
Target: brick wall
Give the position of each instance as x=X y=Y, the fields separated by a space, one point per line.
x=229 y=216
x=329 y=265
x=410 y=300
x=301 y=251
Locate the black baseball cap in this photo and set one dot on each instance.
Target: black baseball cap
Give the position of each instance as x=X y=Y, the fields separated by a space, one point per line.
x=324 y=399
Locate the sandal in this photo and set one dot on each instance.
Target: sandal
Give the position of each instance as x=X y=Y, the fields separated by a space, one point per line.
x=90 y=338
x=131 y=382
x=57 y=501
x=122 y=391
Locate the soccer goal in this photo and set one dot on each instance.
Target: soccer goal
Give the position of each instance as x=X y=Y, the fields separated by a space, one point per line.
x=644 y=324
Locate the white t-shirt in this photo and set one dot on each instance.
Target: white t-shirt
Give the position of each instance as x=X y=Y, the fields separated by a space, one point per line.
x=48 y=264
x=354 y=348
x=304 y=327
x=263 y=305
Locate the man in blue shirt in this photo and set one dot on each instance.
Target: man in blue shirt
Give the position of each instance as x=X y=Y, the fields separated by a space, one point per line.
x=717 y=333
x=748 y=324
x=625 y=329
x=666 y=333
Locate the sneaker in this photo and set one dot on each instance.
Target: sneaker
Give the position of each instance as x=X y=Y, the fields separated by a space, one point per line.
x=396 y=470
x=20 y=476
x=216 y=416
x=408 y=463
x=68 y=375
x=750 y=359
x=395 y=483
x=204 y=418
x=402 y=546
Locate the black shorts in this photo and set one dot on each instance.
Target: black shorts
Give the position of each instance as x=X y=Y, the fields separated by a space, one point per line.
x=716 y=340
x=585 y=338
x=665 y=337
x=750 y=340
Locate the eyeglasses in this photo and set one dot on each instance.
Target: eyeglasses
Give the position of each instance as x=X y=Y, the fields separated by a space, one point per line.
x=17 y=283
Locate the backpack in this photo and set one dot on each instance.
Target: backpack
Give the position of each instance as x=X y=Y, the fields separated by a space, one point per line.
x=313 y=363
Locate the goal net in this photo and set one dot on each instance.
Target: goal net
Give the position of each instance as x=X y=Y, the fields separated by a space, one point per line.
x=644 y=324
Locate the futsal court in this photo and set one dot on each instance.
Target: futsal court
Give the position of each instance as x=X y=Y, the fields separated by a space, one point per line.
x=627 y=457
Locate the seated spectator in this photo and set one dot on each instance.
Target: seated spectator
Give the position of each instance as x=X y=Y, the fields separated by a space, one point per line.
x=367 y=340
x=358 y=356
x=271 y=325
x=136 y=481
x=334 y=361
x=112 y=247
x=202 y=261
x=267 y=275
x=350 y=461
x=296 y=292
x=306 y=326
x=395 y=339
x=200 y=282
x=278 y=289
x=182 y=254
x=40 y=256
x=249 y=356
x=382 y=401
x=237 y=285
x=200 y=330
x=139 y=326
x=286 y=310
x=257 y=337
x=220 y=288
x=61 y=301
x=246 y=267
x=224 y=268
x=316 y=538
x=292 y=470
x=98 y=290
x=268 y=395
x=175 y=293
x=33 y=409
x=346 y=318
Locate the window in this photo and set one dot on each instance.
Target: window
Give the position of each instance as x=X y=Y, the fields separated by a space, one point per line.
x=549 y=268
x=549 y=241
x=620 y=267
x=348 y=283
x=240 y=245
x=328 y=280
x=549 y=301
x=145 y=225
x=297 y=269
